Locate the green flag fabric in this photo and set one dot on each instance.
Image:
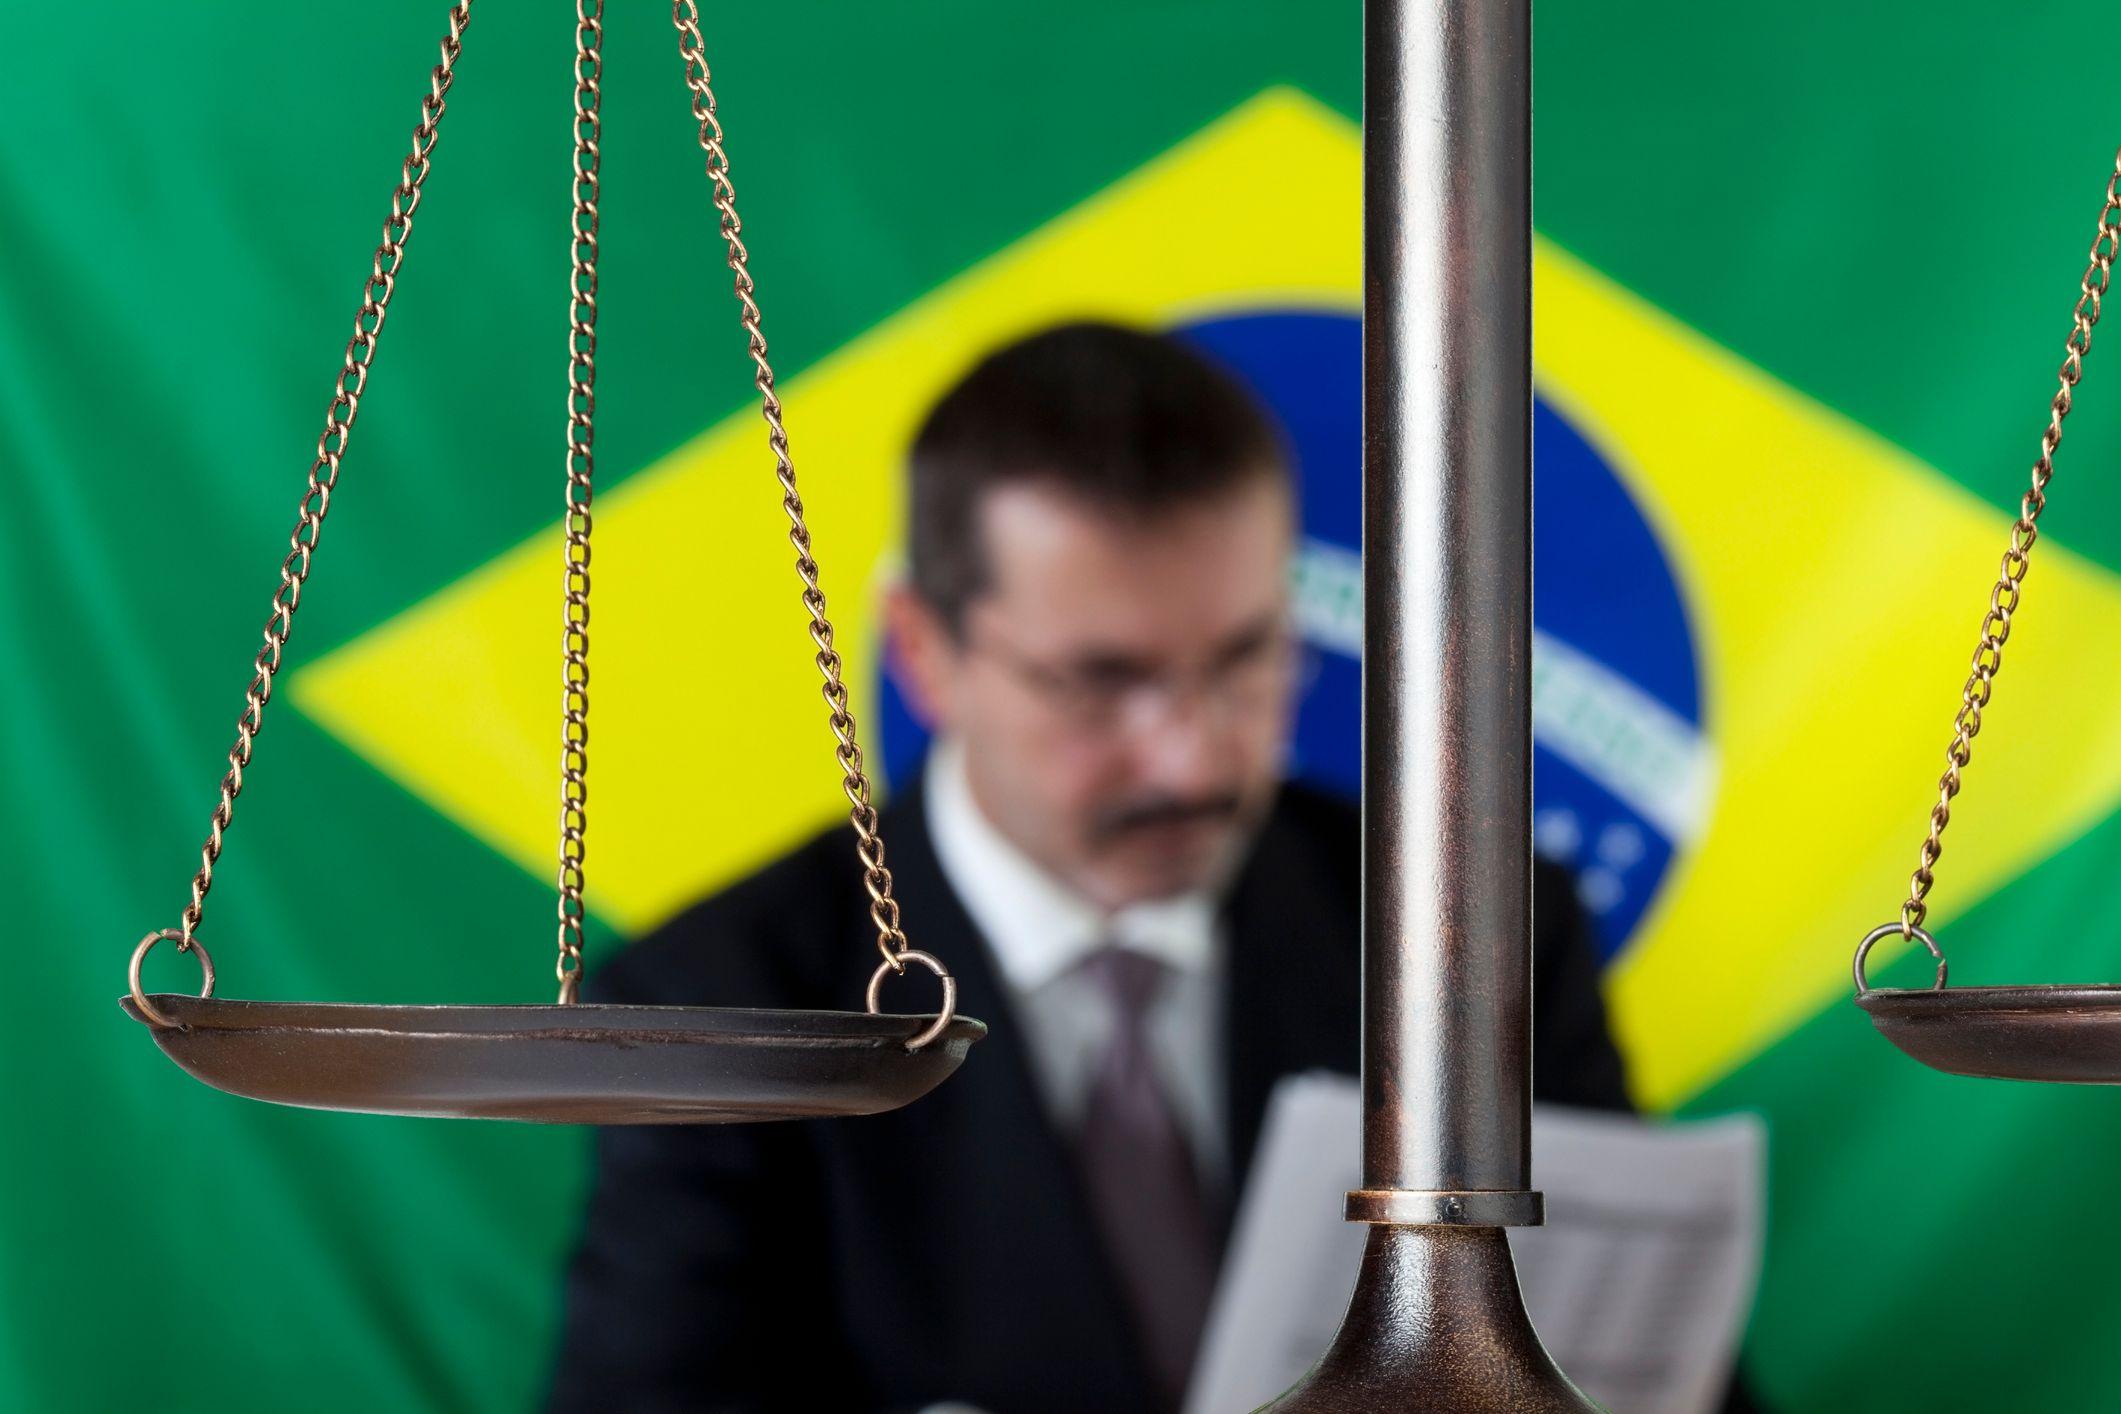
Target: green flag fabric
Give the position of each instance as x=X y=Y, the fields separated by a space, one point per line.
x=1803 y=276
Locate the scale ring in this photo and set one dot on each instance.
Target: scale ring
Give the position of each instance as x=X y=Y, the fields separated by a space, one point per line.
x=1886 y=930
x=147 y=945
x=934 y=964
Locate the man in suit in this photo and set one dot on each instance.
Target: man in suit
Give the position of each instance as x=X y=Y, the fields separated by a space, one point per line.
x=1102 y=849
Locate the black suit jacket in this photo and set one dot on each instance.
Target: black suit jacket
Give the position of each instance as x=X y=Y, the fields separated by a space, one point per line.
x=946 y=1251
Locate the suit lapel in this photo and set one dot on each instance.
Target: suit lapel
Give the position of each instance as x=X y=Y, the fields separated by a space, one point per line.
x=1293 y=999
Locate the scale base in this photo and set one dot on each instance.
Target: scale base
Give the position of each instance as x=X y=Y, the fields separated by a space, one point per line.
x=2065 y=1035
x=581 y=1064
x=1436 y=1324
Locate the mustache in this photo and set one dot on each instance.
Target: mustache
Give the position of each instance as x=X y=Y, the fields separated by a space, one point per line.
x=1122 y=820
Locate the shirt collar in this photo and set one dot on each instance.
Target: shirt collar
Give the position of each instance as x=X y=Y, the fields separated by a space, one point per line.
x=1037 y=927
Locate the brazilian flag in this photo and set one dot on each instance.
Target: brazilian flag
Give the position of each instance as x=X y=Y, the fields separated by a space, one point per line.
x=1802 y=282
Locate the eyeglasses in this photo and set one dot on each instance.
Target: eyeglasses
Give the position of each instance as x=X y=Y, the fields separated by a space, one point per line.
x=1246 y=680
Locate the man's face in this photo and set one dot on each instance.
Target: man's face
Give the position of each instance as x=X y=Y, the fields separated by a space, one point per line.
x=1121 y=688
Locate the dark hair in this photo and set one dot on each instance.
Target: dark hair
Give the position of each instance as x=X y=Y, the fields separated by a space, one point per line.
x=1123 y=420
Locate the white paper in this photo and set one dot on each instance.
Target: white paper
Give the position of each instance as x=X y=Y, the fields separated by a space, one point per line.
x=1639 y=1283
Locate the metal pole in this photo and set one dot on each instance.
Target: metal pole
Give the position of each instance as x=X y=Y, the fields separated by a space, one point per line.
x=1436 y=1322
x=1447 y=500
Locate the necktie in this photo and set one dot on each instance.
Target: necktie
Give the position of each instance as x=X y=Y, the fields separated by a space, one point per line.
x=1142 y=1181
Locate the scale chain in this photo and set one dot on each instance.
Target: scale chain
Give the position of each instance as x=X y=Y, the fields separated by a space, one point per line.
x=581 y=438
x=2003 y=599
x=883 y=908
x=344 y=407
x=339 y=418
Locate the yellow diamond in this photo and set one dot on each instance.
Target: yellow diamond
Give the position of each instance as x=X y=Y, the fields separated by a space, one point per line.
x=1832 y=582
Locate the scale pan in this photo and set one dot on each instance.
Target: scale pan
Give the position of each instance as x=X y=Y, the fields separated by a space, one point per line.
x=2067 y=1034
x=580 y=1064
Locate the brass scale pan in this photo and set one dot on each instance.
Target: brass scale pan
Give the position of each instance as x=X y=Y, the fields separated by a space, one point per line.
x=2053 y=1033
x=571 y=1062
x=582 y=1063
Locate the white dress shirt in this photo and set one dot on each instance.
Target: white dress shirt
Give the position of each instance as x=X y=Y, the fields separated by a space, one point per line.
x=1038 y=930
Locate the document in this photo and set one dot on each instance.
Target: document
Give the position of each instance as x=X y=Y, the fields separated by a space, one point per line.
x=1639 y=1284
